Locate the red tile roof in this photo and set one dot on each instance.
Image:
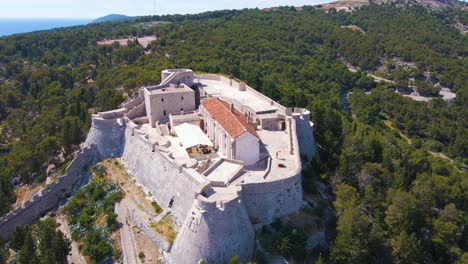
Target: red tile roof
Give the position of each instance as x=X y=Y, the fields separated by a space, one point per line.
x=235 y=123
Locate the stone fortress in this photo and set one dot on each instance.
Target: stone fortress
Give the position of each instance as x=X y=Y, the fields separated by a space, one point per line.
x=221 y=157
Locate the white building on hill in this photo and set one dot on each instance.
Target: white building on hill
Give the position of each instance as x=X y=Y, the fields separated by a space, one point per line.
x=230 y=131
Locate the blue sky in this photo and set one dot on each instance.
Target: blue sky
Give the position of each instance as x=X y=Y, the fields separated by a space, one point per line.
x=98 y=8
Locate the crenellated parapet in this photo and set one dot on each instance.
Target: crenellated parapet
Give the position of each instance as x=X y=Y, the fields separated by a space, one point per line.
x=214 y=201
x=49 y=197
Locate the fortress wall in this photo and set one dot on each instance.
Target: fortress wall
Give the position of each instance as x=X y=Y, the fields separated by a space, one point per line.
x=48 y=198
x=236 y=84
x=107 y=135
x=132 y=103
x=214 y=234
x=177 y=76
x=251 y=90
x=266 y=201
x=163 y=178
x=136 y=111
x=212 y=77
x=117 y=113
x=305 y=134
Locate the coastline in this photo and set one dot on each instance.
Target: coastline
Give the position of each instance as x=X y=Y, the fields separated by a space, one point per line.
x=11 y=26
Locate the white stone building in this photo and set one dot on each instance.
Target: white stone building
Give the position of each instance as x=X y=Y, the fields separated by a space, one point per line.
x=163 y=100
x=230 y=131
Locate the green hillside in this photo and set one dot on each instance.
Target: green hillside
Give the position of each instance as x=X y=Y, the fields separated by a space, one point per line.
x=396 y=167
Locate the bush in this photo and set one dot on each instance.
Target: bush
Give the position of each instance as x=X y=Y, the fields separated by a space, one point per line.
x=88 y=204
x=112 y=221
x=433 y=145
x=141 y=256
x=156 y=207
x=288 y=241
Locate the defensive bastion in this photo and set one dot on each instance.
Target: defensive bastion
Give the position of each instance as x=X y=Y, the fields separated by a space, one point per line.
x=215 y=221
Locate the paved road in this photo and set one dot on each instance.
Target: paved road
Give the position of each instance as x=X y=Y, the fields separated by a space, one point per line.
x=130 y=254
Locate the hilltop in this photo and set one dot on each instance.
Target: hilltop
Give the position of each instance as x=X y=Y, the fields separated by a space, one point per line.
x=112 y=18
x=388 y=183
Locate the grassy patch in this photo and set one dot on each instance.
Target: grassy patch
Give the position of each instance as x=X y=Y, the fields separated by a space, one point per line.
x=63 y=170
x=165 y=228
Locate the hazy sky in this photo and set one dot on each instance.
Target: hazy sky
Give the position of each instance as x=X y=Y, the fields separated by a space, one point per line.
x=98 y=8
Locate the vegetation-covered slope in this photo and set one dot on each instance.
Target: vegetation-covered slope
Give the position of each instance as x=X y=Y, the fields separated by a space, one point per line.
x=390 y=193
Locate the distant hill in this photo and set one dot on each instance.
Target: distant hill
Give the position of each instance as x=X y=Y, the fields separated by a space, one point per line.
x=112 y=17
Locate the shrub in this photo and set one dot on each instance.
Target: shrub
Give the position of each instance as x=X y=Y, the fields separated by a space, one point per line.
x=141 y=256
x=156 y=207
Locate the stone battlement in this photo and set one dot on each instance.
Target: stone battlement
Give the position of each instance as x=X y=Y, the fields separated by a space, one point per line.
x=50 y=196
x=214 y=201
x=253 y=197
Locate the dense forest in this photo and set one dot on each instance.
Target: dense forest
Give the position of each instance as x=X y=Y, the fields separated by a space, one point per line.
x=38 y=243
x=397 y=167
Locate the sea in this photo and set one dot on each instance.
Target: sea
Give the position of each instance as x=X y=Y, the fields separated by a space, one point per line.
x=9 y=26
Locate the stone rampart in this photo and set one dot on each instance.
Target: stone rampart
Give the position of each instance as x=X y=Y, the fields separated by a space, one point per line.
x=214 y=234
x=305 y=135
x=136 y=111
x=268 y=200
x=177 y=76
x=107 y=135
x=169 y=183
x=305 y=132
x=243 y=86
x=49 y=197
x=208 y=76
x=117 y=113
x=212 y=229
x=133 y=103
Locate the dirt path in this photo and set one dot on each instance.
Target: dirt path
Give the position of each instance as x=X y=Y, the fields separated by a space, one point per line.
x=129 y=247
x=75 y=256
x=134 y=204
x=117 y=174
x=389 y=124
x=441 y=155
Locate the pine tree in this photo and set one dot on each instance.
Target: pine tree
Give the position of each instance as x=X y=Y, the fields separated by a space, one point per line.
x=27 y=254
x=407 y=249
